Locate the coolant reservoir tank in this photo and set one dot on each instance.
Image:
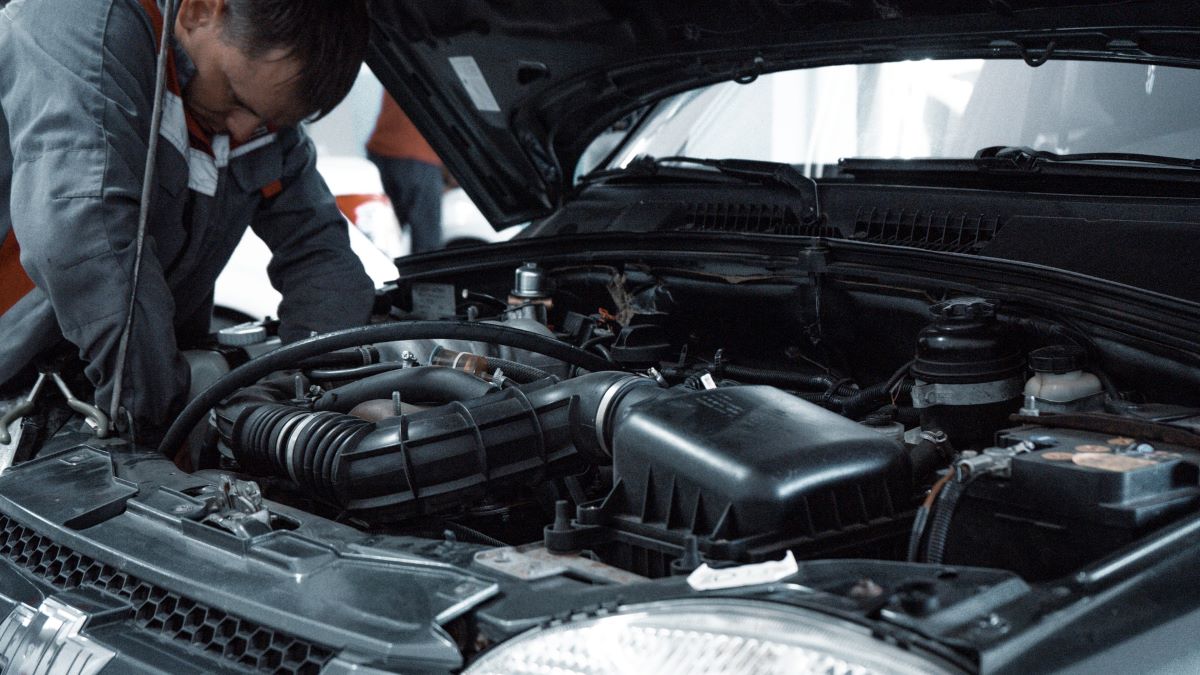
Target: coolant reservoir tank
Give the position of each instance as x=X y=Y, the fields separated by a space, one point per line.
x=1059 y=376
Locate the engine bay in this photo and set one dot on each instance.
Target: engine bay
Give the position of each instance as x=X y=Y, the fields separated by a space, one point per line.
x=505 y=447
x=652 y=422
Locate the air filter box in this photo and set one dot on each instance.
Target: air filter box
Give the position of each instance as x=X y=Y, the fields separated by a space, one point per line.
x=749 y=472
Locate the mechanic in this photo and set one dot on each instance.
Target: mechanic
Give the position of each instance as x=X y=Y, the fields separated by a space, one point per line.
x=412 y=174
x=76 y=96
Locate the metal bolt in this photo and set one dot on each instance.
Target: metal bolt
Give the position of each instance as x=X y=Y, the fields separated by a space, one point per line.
x=562 y=516
x=992 y=623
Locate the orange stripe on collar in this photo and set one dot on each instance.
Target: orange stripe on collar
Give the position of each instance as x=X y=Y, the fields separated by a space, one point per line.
x=198 y=138
x=156 y=22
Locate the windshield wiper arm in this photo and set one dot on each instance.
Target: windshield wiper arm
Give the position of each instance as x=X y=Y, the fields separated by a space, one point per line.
x=1028 y=159
x=774 y=173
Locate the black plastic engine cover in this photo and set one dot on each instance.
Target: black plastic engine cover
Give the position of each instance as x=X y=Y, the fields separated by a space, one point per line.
x=750 y=472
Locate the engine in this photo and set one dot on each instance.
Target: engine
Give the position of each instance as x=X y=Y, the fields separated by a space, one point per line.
x=650 y=441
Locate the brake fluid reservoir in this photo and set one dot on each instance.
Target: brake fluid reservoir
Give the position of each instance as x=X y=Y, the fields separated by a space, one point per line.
x=1059 y=383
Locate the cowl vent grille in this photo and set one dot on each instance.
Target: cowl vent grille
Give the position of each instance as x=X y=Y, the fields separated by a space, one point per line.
x=742 y=218
x=936 y=231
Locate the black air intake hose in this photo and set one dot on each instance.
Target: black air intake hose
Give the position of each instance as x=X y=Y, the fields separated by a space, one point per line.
x=290 y=355
x=432 y=460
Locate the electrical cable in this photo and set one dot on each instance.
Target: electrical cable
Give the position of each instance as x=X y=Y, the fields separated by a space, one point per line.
x=922 y=518
x=943 y=515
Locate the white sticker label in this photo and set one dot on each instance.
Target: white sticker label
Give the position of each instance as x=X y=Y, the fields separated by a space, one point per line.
x=473 y=81
x=706 y=578
x=708 y=381
x=433 y=301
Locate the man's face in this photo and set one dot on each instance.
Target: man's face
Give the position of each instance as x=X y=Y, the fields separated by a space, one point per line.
x=232 y=92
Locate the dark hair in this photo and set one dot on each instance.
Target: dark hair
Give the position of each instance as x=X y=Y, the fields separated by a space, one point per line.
x=327 y=37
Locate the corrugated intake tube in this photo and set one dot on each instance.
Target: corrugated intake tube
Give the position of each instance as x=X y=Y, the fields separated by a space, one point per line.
x=428 y=461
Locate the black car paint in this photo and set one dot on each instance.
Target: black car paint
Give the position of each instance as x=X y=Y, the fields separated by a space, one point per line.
x=127 y=506
x=561 y=77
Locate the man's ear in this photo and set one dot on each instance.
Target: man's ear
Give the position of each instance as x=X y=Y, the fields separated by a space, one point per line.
x=199 y=14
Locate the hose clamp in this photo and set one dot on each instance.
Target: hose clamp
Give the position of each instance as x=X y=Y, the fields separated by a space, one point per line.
x=608 y=403
x=929 y=394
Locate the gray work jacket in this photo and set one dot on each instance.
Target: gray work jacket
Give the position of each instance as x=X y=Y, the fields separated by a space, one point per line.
x=76 y=90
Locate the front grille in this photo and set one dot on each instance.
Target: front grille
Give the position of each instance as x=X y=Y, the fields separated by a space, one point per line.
x=161 y=612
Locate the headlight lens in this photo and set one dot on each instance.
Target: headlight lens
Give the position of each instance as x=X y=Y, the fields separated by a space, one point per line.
x=703 y=637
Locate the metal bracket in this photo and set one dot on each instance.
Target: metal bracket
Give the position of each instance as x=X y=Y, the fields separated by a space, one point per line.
x=994 y=461
x=927 y=395
x=96 y=420
x=22 y=408
x=237 y=506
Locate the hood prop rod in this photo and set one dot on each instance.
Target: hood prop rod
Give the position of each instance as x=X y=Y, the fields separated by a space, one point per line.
x=160 y=80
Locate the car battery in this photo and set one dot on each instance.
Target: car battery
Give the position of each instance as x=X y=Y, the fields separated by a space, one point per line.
x=1076 y=498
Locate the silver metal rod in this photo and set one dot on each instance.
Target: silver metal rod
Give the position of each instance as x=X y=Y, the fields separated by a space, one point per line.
x=160 y=82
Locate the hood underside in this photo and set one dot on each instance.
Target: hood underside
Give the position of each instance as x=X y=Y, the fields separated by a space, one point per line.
x=510 y=93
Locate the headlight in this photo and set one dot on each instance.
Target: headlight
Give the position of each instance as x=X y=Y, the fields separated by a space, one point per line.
x=703 y=636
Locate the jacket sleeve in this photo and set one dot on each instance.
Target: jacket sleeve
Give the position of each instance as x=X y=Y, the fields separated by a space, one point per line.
x=78 y=106
x=322 y=281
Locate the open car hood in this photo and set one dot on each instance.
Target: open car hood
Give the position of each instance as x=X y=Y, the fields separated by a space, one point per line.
x=510 y=93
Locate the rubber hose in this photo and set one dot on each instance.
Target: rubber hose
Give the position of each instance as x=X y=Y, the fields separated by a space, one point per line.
x=288 y=356
x=868 y=399
x=862 y=402
x=326 y=435
x=518 y=372
x=349 y=358
x=926 y=459
x=776 y=378
x=851 y=403
x=857 y=404
x=428 y=461
x=327 y=374
x=422 y=384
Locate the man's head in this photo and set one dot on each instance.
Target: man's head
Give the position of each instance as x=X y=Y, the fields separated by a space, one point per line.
x=269 y=61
